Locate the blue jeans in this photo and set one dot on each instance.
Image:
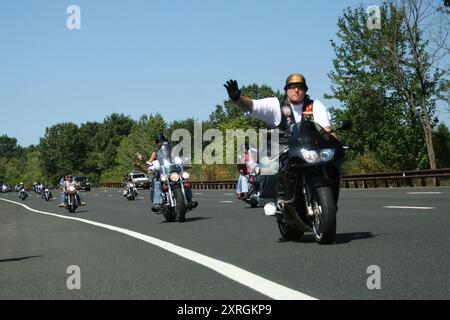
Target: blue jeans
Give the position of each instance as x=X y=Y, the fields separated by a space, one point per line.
x=156 y=189
x=242 y=185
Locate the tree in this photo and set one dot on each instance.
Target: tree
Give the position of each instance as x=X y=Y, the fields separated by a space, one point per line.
x=383 y=89
x=417 y=74
x=62 y=150
x=90 y=132
x=109 y=136
x=9 y=147
x=140 y=139
x=441 y=140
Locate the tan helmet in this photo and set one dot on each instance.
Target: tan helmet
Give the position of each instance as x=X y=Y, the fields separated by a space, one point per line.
x=296 y=78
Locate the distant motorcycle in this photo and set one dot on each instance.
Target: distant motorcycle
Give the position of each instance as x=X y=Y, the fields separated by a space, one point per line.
x=252 y=197
x=47 y=195
x=308 y=182
x=23 y=194
x=130 y=191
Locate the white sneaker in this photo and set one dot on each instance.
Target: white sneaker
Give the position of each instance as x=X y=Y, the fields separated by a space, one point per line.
x=270 y=209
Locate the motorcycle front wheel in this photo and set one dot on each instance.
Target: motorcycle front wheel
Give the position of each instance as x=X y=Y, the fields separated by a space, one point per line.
x=324 y=220
x=180 y=205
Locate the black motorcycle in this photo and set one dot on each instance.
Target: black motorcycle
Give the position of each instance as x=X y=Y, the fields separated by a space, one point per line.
x=308 y=182
x=23 y=194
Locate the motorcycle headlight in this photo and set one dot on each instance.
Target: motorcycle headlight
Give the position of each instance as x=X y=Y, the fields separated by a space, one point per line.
x=131 y=185
x=326 y=154
x=174 y=176
x=310 y=156
x=72 y=189
x=163 y=178
x=185 y=175
x=313 y=156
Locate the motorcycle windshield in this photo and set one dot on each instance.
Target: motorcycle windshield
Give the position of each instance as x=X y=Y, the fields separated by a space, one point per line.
x=308 y=134
x=165 y=156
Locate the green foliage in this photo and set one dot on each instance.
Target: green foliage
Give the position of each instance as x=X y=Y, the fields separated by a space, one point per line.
x=367 y=162
x=63 y=150
x=442 y=143
x=380 y=91
x=114 y=128
x=9 y=147
x=140 y=139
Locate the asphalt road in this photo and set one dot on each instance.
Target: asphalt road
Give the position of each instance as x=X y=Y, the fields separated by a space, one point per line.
x=411 y=248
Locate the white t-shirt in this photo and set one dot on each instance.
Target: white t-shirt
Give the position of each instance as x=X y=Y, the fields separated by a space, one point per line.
x=269 y=111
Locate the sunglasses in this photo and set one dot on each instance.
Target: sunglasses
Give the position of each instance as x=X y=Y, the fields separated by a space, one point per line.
x=298 y=86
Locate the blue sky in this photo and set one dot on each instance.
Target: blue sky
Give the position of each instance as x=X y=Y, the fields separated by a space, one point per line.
x=139 y=57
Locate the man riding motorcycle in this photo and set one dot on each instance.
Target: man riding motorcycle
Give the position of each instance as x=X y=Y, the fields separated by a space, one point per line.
x=281 y=114
x=44 y=187
x=245 y=167
x=126 y=180
x=22 y=189
x=155 y=194
x=68 y=181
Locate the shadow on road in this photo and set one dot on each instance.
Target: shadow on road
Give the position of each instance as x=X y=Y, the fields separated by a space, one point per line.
x=196 y=219
x=341 y=238
x=19 y=259
x=189 y=219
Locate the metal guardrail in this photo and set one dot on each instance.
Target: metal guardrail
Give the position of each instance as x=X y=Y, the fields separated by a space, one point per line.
x=397 y=179
x=369 y=180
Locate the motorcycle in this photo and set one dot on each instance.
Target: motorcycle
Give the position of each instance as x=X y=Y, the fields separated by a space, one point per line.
x=130 y=191
x=174 y=184
x=308 y=182
x=71 y=200
x=252 y=197
x=23 y=194
x=47 y=195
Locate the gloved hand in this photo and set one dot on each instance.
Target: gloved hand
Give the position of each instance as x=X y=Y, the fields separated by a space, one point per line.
x=233 y=90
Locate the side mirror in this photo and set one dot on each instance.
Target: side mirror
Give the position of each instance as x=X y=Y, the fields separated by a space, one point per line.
x=344 y=125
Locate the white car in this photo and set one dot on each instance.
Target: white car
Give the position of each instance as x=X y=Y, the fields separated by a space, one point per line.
x=140 y=180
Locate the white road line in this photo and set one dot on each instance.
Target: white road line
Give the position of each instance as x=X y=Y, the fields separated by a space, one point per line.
x=413 y=208
x=226 y=201
x=228 y=194
x=198 y=194
x=264 y=286
x=424 y=193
